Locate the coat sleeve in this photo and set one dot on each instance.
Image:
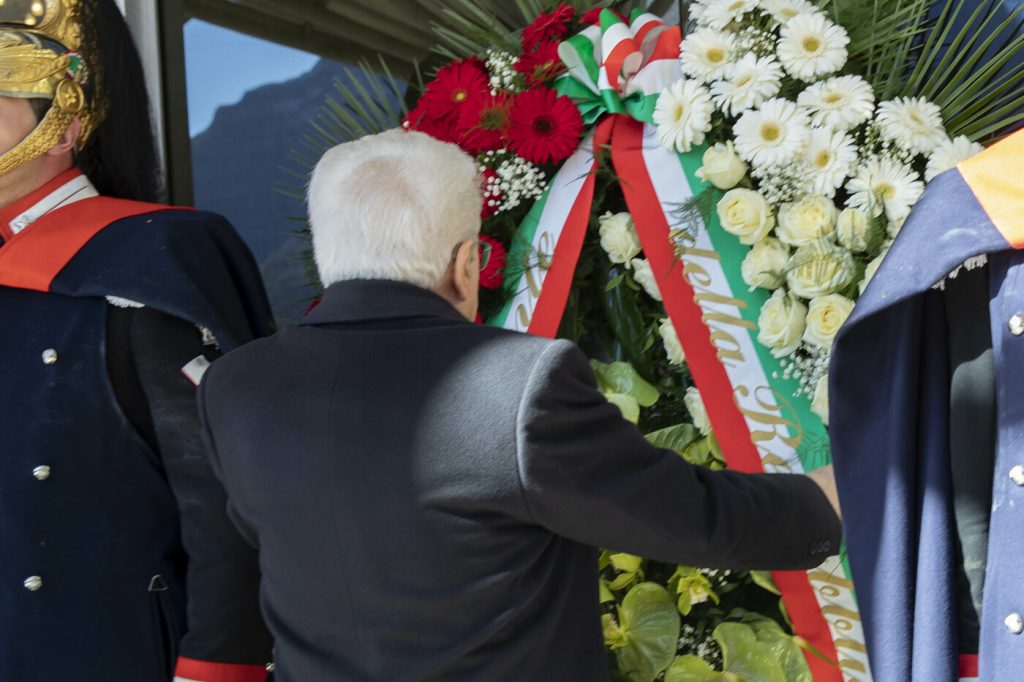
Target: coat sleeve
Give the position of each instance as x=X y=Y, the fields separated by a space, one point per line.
x=226 y=638
x=588 y=474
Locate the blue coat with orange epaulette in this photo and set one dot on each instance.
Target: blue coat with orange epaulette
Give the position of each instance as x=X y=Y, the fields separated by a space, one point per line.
x=890 y=394
x=95 y=583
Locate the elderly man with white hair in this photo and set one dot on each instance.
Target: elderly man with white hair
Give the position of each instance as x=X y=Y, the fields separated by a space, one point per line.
x=426 y=493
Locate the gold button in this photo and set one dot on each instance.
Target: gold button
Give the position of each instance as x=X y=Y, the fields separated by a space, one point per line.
x=49 y=357
x=41 y=472
x=33 y=583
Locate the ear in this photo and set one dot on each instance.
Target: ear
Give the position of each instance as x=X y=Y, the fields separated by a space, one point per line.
x=464 y=267
x=68 y=140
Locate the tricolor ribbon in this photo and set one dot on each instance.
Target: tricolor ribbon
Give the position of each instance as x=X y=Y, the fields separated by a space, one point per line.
x=615 y=75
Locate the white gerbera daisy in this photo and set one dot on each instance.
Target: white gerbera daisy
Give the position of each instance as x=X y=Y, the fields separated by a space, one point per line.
x=683 y=115
x=748 y=83
x=696 y=10
x=842 y=103
x=810 y=46
x=913 y=123
x=707 y=53
x=949 y=154
x=720 y=13
x=885 y=185
x=831 y=156
x=772 y=135
x=784 y=10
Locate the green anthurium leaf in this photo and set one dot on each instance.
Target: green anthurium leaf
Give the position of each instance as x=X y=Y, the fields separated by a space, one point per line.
x=691 y=669
x=684 y=603
x=605 y=592
x=650 y=621
x=614 y=634
x=626 y=403
x=785 y=648
x=614 y=282
x=628 y=325
x=626 y=562
x=620 y=377
x=622 y=581
x=699 y=452
x=746 y=656
x=764 y=580
x=676 y=437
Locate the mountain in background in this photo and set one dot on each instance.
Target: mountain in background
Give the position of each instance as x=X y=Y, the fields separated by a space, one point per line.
x=241 y=162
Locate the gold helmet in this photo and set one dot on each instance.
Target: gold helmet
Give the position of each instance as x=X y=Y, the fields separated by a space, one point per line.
x=41 y=57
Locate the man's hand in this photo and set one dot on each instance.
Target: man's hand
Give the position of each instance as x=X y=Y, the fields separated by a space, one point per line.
x=826 y=480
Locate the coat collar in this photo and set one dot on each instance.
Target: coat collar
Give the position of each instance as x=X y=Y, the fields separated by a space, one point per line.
x=361 y=300
x=968 y=211
x=947 y=227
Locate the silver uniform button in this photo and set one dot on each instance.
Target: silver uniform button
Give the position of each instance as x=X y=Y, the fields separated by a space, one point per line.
x=1014 y=623
x=41 y=472
x=1016 y=324
x=33 y=583
x=1017 y=474
x=49 y=357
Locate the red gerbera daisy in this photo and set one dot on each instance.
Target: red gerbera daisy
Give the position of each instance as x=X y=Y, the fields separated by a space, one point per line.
x=493 y=273
x=483 y=127
x=460 y=84
x=542 y=65
x=492 y=197
x=548 y=26
x=545 y=126
x=440 y=128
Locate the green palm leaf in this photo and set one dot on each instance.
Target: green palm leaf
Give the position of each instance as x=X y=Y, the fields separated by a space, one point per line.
x=968 y=59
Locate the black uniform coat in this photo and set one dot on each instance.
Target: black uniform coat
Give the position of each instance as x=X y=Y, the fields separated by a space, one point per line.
x=117 y=553
x=427 y=494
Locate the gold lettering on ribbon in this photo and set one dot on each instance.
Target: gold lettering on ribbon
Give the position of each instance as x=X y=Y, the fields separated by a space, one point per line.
x=725 y=343
x=525 y=315
x=831 y=578
x=772 y=418
x=542 y=254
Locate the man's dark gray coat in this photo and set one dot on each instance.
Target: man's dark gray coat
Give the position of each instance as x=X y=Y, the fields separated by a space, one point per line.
x=427 y=494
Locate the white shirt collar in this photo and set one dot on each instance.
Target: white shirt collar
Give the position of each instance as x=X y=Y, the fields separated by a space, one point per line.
x=73 y=190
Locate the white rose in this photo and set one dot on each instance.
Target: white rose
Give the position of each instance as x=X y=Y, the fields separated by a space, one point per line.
x=673 y=349
x=765 y=265
x=807 y=220
x=856 y=231
x=618 y=237
x=825 y=315
x=781 y=323
x=644 y=276
x=695 y=406
x=746 y=214
x=722 y=167
x=819 y=405
x=871 y=269
x=820 y=268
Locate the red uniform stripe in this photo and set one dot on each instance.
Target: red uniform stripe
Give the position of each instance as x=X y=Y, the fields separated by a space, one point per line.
x=35 y=256
x=207 y=671
x=968 y=665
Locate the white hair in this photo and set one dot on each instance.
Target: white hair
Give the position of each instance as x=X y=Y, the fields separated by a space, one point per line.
x=392 y=206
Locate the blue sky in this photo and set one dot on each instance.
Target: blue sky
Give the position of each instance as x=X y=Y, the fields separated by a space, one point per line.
x=223 y=65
